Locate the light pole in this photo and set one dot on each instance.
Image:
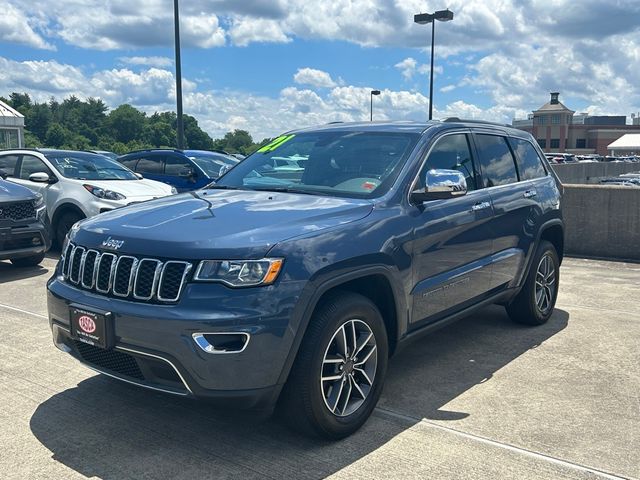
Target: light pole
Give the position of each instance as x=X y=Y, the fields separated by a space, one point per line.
x=180 y=124
x=422 y=19
x=373 y=92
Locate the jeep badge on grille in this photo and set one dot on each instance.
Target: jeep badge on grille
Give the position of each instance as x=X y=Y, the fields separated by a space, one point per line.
x=112 y=243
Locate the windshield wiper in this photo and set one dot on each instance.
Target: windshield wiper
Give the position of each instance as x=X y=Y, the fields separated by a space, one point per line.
x=223 y=187
x=288 y=190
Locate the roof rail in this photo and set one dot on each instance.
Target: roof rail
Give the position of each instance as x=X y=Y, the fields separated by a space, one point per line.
x=481 y=122
x=337 y=121
x=154 y=149
x=20 y=148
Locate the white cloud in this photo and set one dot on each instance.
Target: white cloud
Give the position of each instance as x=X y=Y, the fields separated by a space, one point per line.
x=147 y=61
x=409 y=67
x=246 y=30
x=313 y=77
x=17 y=27
x=448 y=88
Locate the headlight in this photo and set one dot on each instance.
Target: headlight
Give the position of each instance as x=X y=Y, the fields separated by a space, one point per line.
x=102 y=193
x=174 y=190
x=38 y=202
x=240 y=273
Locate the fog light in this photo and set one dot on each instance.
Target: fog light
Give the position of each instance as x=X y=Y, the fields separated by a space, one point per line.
x=226 y=342
x=35 y=240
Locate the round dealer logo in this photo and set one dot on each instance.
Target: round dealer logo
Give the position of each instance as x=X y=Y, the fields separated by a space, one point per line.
x=87 y=324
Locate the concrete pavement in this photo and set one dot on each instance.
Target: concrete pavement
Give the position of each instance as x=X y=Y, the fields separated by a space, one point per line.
x=482 y=398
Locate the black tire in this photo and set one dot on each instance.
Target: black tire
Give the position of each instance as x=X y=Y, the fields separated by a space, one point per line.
x=304 y=403
x=526 y=307
x=31 y=261
x=64 y=224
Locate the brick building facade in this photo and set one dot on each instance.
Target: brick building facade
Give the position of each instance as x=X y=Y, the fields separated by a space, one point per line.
x=553 y=126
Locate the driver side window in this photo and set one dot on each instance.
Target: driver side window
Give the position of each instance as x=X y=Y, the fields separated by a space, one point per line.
x=30 y=165
x=451 y=152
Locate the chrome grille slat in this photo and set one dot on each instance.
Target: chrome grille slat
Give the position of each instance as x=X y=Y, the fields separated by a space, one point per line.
x=89 y=268
x=76 y=265
x=140 y=282
x=121 y=276
x=111 y=267
x=125 y=276
x=187 y=269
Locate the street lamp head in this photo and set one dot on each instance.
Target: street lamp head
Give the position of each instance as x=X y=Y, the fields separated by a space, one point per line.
x=423 y=18
x=375 y=92
x=443 y=15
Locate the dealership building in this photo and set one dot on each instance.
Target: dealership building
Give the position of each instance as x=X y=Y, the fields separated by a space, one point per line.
x=11 y=127
x=559 y=129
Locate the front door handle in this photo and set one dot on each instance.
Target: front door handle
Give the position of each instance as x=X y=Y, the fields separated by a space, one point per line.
x=530 y=194
x=480 y=206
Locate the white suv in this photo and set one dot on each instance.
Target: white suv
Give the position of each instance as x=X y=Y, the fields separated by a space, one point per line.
x=76 y=185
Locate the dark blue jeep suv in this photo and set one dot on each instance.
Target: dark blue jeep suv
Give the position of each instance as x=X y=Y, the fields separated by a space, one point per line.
x=296 y=288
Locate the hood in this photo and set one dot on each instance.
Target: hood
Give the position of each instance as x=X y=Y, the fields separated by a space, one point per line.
x=12 y=192
x=132 y=188
x=217 y=223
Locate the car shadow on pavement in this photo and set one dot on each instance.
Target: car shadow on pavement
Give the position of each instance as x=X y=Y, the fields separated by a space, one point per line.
x=11 y=273
x=112 y=430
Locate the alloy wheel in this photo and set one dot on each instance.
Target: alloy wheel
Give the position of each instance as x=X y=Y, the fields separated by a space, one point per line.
x=545 y=284
x=348 y=368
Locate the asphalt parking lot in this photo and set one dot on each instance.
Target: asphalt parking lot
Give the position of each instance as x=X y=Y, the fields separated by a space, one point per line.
x=482 y=398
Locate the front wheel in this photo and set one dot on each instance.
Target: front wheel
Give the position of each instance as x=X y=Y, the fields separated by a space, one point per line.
x=339 y=372
x=536 y=301
x=64 y=224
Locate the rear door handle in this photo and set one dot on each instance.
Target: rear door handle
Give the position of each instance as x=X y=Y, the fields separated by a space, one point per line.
x=530 y=193
x=480 y=206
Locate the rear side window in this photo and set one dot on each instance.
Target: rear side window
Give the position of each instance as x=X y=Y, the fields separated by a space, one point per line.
x=452 y=152
x=150 y=165
x=529 y=163
x=8 y=164
x=496 y=160
x=177 y=166
x=130 y=163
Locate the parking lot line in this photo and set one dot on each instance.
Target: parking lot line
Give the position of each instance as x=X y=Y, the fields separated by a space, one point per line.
x=2 y=305
x=512 y=448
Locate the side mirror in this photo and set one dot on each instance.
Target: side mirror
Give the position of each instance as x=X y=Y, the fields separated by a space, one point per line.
x=40 y=177
x=440 y=184
x=3 y=175
x=186 y=173
x=139 y=175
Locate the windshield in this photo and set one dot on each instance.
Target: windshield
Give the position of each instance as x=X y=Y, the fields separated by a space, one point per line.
x=213 y=164
x=89 y=166
x=340 y=163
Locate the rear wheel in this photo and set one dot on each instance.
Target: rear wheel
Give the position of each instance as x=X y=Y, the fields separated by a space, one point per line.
x=536 y=301
x=64 y=224
x=31 y=261
x=338 y=375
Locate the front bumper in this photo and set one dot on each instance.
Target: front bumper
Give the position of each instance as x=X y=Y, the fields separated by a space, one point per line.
x=19 y=239
x=155 y=348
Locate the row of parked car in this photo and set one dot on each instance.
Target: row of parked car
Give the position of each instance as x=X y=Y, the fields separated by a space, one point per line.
x=44 y=192
x=631 y=179
x=589 y=158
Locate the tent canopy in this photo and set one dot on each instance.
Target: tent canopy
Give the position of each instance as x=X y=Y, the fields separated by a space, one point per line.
x=629 y=141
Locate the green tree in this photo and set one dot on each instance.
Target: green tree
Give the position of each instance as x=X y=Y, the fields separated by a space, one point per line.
x=56 y=135
x=31 y=140
x=38 y=120
x=195 y=137
x=126 y=123
x=20 y=101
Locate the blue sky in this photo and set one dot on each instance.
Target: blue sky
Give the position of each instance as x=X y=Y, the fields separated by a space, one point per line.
x=268 y=66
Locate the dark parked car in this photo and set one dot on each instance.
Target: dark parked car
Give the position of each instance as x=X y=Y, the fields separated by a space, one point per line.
x=183 y=169
x=262 y=289
x=24 y=227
